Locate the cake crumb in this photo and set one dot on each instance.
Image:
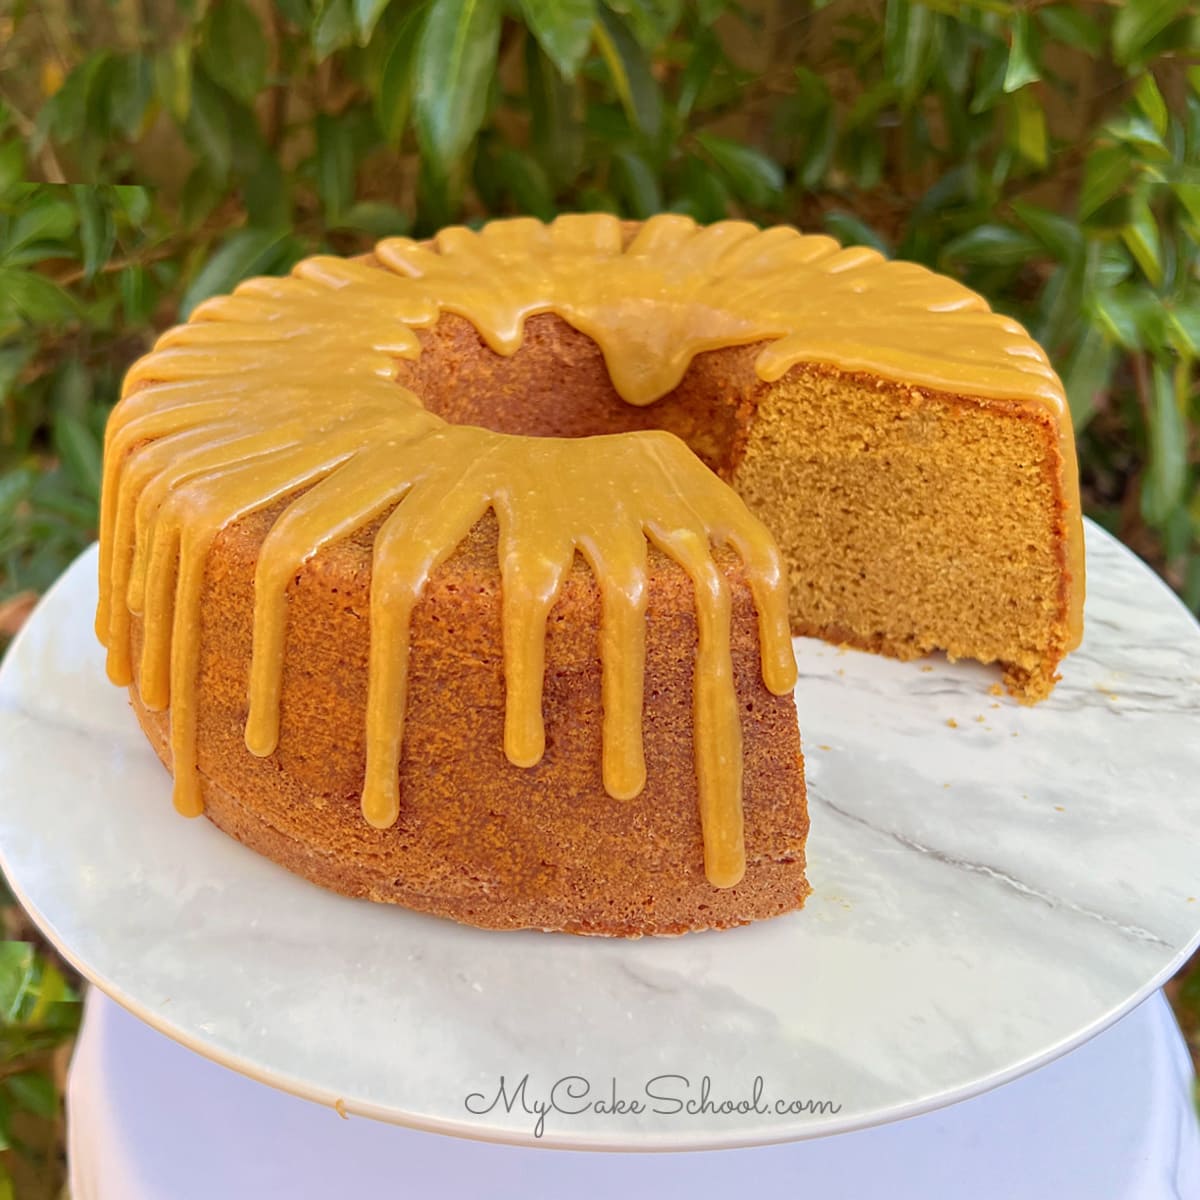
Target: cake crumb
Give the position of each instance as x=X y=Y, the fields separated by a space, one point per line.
x=1059 y=808
x=995 y=706
x=945 y=785
x=952 y=722
x=927 y=669
x=1191 y=899
x=996 y=690
x=979 y=719
x=340 y=1107
x=824 y=747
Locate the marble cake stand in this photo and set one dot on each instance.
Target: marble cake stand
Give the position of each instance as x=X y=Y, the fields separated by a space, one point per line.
x=992 y=886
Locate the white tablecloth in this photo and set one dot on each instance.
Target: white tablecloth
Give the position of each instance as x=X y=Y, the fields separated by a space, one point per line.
x=150 y=1120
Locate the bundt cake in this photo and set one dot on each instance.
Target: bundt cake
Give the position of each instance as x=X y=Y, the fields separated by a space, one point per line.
x=463 y=575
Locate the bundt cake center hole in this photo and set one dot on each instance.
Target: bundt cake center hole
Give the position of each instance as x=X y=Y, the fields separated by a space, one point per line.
x=557 y=385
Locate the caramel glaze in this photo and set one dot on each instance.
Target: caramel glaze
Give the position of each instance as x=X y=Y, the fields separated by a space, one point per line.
x=286 y=388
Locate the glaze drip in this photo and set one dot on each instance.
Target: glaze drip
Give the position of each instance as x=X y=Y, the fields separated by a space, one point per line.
x=286 y=389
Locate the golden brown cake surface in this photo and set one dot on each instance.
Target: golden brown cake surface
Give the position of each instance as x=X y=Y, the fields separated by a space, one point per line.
x=477 y=838
x=385 y=409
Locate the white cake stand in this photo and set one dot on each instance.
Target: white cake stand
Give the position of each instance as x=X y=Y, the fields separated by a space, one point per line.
x=992 y=886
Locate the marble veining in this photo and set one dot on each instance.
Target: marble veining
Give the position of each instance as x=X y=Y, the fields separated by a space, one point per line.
x=1003 y=877
x=992 y=884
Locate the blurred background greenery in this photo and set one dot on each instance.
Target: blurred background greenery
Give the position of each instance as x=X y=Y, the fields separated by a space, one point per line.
x=153 y=153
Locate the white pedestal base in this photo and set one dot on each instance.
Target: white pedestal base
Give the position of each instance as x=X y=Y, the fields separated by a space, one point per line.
x=150 y=1120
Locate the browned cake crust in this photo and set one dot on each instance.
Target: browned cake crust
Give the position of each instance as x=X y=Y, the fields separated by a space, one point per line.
x=909 y=521
x=478 y=839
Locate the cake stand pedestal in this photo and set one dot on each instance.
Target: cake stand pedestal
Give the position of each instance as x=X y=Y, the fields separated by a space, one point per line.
x=150 y=1120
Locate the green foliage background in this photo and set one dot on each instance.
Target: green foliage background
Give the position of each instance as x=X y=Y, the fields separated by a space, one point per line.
x=1049 y=154
x=153 y=153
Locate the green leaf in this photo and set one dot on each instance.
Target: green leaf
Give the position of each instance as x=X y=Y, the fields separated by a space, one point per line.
x=12 y=165
x=34 y=1091
x=334 y=166
x=1150 y=101
x=754 y=176
x=1060 y=303
x=1188 y=194
x=80 y=452
x=366 y=16
x=1030 y=128
x=57 y=1006
x=1142 y=238
x=992 y=246
x=248 y=252
x=818 y=149
x=67 y=112
x=18 y=967
x=130 y=90
x=555 y=135
x=652 y=21
x=46 y=217
x=393 y=100
x=376 y=218
x=637 y=181
x=851 y=231
x=701 y=192
x=97 y=233
x=706 y=52
x=1072 y=26
x=137 y=295
x=1105 y=173
x=71 y=392
x=439 y=193
x=1138 y=132
x=1183 y=319
x=13 y=360
x=15 y=488
x=200 y=195
x=907 y=31
x=1191 y=585
x=209 y=127
x=1137 y=23
x=265 y=191
x=989 y=80
x=1123 y=314
x=1022 y=55
x=1166 y=474
x=34 y=297
x=524 y=179
x=456 y=58
x=870 y=104
x=1057 y=234
x=173 y=79
x=629 y=69
x=334 y=29
x=234 y=50
x=563 y=28
x=1087 y=376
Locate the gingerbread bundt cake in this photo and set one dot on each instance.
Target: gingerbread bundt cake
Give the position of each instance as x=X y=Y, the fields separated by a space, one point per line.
x=462 y=575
